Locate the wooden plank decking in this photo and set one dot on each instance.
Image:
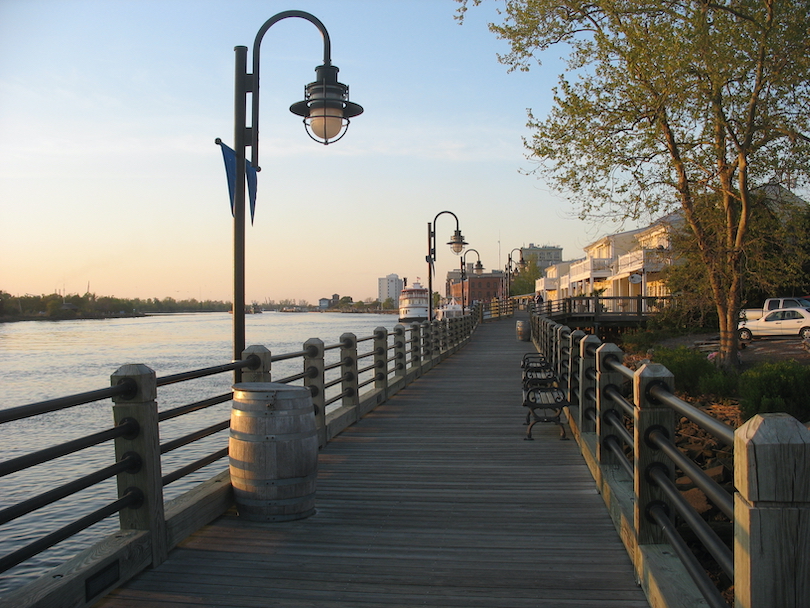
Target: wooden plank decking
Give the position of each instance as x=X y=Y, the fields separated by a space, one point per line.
x=433 y=499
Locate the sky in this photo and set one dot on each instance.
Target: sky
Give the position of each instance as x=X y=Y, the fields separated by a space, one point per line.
x=110 y=180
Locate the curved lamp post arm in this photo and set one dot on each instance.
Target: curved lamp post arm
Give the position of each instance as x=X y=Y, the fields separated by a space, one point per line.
x=253 y=85
x=457 y=243
x=478 y=270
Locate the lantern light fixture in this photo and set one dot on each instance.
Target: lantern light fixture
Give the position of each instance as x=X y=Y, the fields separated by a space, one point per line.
x=326 y=107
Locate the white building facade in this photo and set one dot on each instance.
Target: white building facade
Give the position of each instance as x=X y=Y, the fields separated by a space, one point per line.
x=389 y=287
x=623 y=264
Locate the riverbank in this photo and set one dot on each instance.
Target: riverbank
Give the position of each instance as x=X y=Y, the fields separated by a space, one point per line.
x=44 y=317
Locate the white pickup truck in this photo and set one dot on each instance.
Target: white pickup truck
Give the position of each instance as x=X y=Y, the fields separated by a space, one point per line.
x=751 y=314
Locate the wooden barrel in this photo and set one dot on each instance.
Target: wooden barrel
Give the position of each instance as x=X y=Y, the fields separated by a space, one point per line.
x=273 y=451
x=524 y=331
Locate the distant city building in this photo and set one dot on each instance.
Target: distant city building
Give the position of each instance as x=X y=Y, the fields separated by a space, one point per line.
x=477 y=288
x=543 y=257
x=324 y=303
x=389 y=287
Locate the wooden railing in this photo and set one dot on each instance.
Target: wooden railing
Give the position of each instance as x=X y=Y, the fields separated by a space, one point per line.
x=346 y=380
x=625 y=422
x=603 y=309
x=496 y=309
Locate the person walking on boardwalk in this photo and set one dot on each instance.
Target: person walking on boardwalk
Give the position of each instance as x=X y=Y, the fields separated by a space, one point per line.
x=538 y=301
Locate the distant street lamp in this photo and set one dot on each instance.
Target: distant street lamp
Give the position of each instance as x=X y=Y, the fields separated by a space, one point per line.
x=326 y=111
x=510 y=265
x=457 y=244
x=478 y=269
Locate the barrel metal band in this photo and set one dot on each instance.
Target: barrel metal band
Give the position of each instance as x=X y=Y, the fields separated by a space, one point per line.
x=289 y=481
x=255 y=438
x=270 y=412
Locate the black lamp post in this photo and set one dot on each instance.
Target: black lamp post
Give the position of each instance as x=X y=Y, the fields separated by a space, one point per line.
x=521 y=265
x=456 y=243
x=326 y=110
x=478 y=269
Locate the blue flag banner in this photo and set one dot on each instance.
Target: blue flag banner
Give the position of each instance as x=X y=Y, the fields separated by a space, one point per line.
x=250 y=170
x=229 y=156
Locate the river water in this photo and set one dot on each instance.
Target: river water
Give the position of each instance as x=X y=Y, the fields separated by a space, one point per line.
x=42 y=360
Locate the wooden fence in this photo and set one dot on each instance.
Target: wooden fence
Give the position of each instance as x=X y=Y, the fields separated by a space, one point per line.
x=625 y=422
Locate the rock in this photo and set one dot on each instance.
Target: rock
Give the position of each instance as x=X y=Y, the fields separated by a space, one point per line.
x=698 y=500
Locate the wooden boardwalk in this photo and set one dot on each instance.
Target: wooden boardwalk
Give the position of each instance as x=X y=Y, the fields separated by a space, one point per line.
x=433 y=499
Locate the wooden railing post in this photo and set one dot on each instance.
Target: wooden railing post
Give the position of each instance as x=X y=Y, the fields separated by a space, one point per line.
x=141 y=407
x=444 y=338
x=772 y=513
x=452 y=339
x=587 y=382
x=262 y=373
x=649 y=414
x=561 y=333
x=400 y=333
x=381 y=359
x=349 y=384
x=572 y=384
x=314 y=381
x=606 y=377
x=426 y=345
x=416 y=347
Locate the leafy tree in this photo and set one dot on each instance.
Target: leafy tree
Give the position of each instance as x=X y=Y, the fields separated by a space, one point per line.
x=672 y=100
x=524 y=281
x=775 y=262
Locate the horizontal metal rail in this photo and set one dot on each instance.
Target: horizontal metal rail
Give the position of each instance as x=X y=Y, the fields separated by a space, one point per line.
x=126 y=387
x=615 y=364
x=611 y=442
x=616 y=397
x=337 y=397
x=194 y=466
x=611 y=417
x=193 y=407
x=129 y=463
x=169 y=446
x=293 y=378
x=660 y=476
x=696 y=572
x=723 y=432
x=286 y=356
x=251 y=362
x=131 y=498
x=722 y=499
x=127 y=427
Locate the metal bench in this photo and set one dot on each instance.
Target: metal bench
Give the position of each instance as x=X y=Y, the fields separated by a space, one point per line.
x=540 y=392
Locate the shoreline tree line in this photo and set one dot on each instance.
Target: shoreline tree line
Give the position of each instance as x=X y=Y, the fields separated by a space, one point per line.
x=57 y=306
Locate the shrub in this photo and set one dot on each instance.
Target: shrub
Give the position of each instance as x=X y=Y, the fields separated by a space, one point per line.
x=695 y=374
x=642 y=340
x=719 y=383
x=783 y=386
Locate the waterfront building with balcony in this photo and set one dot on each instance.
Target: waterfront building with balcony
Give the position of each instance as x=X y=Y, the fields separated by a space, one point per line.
x=640 y=271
